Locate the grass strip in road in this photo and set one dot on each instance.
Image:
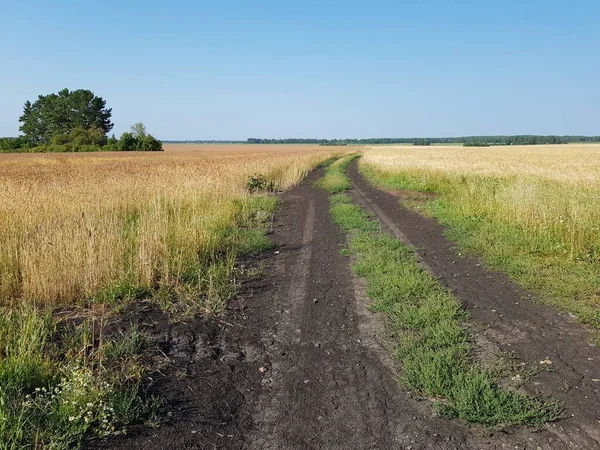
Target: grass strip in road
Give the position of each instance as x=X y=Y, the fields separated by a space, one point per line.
x=428 y=323
x=335 y=179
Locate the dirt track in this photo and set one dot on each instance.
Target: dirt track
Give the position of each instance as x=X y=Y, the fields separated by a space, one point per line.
x=299 y=363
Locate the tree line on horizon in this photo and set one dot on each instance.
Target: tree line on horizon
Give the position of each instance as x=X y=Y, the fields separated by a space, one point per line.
x=519 y=139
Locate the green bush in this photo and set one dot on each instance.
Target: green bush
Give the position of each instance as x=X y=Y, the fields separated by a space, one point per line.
x=10 y=144
x=259 y=183
x=127 y=143
x=145 y=143
x=81 y=139
x=149 y=143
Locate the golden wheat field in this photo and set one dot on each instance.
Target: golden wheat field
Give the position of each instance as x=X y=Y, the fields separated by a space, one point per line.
x=571 y=163
x=75 y=224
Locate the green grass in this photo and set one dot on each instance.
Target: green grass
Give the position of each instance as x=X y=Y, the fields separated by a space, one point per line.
x=60 y=384
x=428 y=323
x=537 y=258
x=335 y=179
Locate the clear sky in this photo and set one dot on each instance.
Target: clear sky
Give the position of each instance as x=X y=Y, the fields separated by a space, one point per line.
x=300 y=68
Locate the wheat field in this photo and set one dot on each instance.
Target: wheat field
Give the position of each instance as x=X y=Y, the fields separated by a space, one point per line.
x=73 y=225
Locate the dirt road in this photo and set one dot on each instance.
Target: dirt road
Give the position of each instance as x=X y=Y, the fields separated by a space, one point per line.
x=298 y=362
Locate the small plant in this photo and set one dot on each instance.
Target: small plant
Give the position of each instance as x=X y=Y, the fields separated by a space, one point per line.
x=259 y=183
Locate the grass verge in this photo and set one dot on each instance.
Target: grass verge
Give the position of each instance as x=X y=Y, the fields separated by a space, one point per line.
x=429 y=325
x=335 y=179
x=60 y=382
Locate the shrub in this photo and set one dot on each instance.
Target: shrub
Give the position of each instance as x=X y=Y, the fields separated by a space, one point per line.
x=127 y=143
x=259 y=183
x=9 y=144
x=146 y=143
x=149 y=143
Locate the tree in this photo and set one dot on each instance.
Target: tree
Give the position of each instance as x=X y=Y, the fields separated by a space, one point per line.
x=138 y=130
x=62 y=113
x=128 y=142
x=149 y=143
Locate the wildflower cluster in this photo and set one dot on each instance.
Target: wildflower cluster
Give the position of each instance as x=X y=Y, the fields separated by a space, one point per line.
x=77 y=403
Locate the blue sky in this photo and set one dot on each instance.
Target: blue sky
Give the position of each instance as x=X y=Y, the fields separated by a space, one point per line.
x=236 y=69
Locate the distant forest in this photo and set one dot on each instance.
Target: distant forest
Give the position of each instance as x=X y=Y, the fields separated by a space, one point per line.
x=205 y=141
x=521 y=139
x=493 y=140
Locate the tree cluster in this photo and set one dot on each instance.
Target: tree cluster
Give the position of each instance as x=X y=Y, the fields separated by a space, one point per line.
x=289 y=141
x=422 y=141
x=137 y=139
x=63 y=115
x=74 y=121
x=205 y=141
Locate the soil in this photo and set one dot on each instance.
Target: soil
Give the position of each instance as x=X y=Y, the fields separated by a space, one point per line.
x=298 y=361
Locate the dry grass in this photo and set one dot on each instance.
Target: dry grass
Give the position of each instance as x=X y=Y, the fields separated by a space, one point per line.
x=533 y=211
x=73 y=225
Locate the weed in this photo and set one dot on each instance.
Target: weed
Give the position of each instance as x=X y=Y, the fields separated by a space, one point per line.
x=59 y=385
x=126 y=344
x=259 y=183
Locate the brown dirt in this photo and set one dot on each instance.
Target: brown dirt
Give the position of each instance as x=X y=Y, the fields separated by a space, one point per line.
x=508 y=318
x=298 y=362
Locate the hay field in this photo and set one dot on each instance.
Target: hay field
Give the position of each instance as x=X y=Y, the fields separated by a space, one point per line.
x=76 y=225
x=532 y=211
